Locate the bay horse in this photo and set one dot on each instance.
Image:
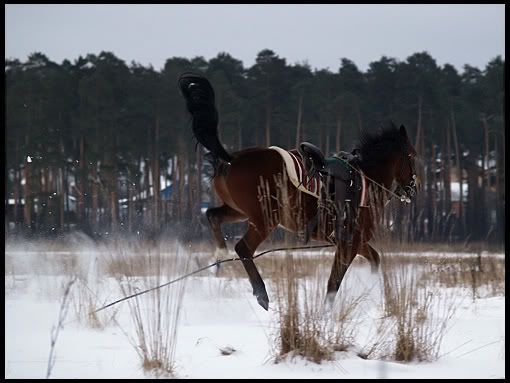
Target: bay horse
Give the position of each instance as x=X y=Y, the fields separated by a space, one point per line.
x=239 y=177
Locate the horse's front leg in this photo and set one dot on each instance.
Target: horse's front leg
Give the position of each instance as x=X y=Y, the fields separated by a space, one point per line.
x=344 y=256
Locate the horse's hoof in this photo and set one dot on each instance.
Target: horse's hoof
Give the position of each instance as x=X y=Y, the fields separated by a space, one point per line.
x=329 y=301
x=264 y=302
x=262 y=298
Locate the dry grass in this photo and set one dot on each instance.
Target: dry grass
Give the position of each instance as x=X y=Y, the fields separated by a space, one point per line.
x=420 y=312
x=156 y=314
x=304 y=328
x=420 y=294
x=86 y=300
x=483 y=275
x=55 y=331
x=389 y=245
x=301 y=329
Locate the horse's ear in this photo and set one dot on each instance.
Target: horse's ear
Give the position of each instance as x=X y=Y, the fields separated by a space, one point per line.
x=403 y=131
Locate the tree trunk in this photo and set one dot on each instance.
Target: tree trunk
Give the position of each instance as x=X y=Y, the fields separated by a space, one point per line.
x=484 y=209
x=418 y=208
x=61 y=200
x=199 y=181
x=321 y=138
x=175 y=190
x=95 y=199
x=500 y=187
x=130 y=204
x=114 y=211
x=52 y=202
x=66 y=188
x=360 y=124
x=43 y=179
x=16 y=186
x=447 y=197
x=147 y=201
x=299 y=117
x=16 y=193
x=432 y=207
x=338 y=133
x=81 y=188
x=62 y=191
x=418 y=125
x=156 y=175
x=219 y=104
x=485 y=157
x=447 y=172
x=473 y=221
x=27 y=209
x=462 y=219
x=268 y=124
x=181 y=200
x=239 y=130
x=111 y=194
x=327 y=140
x=192 y=203
x=147 y=169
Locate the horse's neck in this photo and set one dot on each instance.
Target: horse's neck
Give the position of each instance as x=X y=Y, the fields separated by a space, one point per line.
x=384 y=178
x=378 y=190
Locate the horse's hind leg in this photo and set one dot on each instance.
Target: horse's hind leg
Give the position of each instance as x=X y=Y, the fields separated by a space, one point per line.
x=216 y=216
x=371 y=255
x=222 y=214
x=245 y=249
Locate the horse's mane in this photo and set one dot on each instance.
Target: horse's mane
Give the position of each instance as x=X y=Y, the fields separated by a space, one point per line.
x=377 y=147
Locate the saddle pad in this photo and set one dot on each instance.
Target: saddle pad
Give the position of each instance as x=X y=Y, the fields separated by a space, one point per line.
x=296 y=172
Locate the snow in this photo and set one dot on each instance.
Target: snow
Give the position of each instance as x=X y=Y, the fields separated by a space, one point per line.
x=219 y=313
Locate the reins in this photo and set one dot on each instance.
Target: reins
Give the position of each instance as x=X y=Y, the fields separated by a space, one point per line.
x=205 y=268
x=402 y=198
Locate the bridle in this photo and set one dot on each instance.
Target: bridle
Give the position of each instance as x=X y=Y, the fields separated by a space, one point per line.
x=408 y=191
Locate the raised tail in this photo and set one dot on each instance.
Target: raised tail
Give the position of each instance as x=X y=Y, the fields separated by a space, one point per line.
x=199 y=96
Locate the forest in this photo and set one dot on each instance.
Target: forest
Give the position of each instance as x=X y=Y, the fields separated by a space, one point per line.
x=106 y=147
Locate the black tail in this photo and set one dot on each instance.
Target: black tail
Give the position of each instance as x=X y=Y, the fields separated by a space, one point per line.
x=199 y=96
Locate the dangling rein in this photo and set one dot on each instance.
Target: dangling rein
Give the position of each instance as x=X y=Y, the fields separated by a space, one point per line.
x=205 y=268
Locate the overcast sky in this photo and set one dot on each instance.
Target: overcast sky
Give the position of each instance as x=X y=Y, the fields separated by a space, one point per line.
x=319 y=34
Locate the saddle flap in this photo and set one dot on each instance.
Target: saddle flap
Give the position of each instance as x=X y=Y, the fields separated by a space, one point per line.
x=312 y=157
x=300 y=177
x=338 y=169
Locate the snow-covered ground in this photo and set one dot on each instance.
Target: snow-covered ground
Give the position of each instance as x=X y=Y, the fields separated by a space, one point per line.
x=218 y=313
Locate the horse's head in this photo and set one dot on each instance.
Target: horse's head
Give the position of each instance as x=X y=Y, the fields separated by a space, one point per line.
x=405 y=170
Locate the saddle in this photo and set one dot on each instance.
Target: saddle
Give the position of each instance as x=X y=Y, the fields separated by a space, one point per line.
x=343 y=185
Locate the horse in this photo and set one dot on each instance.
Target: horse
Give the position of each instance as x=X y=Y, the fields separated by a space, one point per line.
x=252 y=183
